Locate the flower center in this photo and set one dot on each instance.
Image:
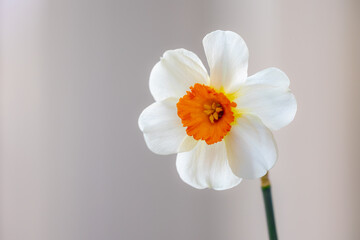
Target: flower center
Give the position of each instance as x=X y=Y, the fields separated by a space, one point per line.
x=214 y=111
x=206 y=114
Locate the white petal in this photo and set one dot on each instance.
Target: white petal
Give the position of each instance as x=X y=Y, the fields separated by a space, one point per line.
x=227 y=55
x=206 y=166
x=273 y=77
x=267 y=95
x=251 y=148
x=162 y=128
x=173 y=75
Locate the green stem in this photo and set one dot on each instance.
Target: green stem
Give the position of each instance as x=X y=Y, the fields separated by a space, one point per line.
x=266 y=190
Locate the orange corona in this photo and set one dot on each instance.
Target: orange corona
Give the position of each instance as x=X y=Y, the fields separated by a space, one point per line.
x=206 y=114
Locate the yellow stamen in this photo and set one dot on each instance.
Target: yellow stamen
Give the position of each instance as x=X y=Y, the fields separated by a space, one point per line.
x=216 y=115
x=208 y=112
x=211 y=117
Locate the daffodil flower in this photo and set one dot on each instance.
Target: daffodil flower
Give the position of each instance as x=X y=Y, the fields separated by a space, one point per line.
x=219 y=125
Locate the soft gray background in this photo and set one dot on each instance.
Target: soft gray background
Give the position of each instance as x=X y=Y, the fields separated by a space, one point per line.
x=74 y=79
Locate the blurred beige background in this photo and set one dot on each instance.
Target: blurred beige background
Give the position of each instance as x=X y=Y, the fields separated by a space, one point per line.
x=74 y=78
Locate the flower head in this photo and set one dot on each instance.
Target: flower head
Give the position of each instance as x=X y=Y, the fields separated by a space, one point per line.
x=219 y=125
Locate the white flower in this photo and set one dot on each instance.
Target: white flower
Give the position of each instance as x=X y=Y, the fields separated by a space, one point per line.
x=219 y=125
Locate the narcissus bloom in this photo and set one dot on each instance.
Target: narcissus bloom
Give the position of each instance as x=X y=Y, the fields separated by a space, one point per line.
x=219 y=125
